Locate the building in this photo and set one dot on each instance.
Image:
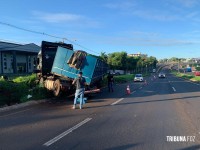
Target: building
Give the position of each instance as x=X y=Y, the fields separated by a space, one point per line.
x=18 y=58
x=137 y=55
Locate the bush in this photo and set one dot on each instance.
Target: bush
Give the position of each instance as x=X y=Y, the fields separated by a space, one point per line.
x=198 y=68
x=17 y=90
x=119 y=79
x=12 y=92
x=28 y=80
x=39 y=92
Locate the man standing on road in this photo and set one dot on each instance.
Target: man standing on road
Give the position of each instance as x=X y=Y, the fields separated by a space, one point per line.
x=110 y=82
x=80 y=83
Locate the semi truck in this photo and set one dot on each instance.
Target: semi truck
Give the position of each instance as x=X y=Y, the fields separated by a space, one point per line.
x=59 y=64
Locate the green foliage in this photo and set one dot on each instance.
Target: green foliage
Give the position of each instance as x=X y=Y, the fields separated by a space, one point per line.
x=198 y=68
x=123 y=78
x=12 y=92
x=39 y=92
x=103 y=57
x=16 y=91
x=119 y=79
x=187 y=76
x=28 y=80
x=117 y=60
x=120 y=60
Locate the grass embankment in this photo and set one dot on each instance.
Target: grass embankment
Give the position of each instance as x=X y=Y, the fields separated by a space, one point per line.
x=187 y=76
x=20 y=89
x=122 y=78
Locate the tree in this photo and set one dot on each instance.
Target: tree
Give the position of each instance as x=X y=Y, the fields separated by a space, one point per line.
x=104 y=56
x=117 y=60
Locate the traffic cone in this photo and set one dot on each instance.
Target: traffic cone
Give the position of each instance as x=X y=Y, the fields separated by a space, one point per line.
x=128 y=91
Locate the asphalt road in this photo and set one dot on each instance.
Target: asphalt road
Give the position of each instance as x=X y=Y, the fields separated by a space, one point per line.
x=150 y=118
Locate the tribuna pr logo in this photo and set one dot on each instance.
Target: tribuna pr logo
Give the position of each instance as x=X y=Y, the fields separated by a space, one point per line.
x=180 y=138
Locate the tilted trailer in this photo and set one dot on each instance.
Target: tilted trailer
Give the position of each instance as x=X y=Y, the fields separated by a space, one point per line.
x=59 y=65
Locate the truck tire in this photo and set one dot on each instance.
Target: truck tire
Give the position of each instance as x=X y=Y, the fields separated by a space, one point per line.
x=57 y=88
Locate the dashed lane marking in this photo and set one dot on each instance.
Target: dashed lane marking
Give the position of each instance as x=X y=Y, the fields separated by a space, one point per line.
x=117 y=101
x=50 y=142
x=133 y=92
x=174 y=89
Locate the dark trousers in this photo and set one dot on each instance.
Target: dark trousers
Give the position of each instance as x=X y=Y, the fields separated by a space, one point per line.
x=110 y=86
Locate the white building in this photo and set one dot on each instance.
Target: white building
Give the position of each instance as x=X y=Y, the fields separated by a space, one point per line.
x=18 y=58
x=137 y=54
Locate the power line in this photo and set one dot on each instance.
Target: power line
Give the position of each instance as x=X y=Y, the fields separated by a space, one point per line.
x=45 y=34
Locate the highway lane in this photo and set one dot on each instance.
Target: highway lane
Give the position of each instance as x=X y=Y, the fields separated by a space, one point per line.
x=31 y=127
x=142 y=120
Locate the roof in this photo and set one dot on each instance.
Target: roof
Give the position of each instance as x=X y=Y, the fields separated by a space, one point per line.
x=6 y=46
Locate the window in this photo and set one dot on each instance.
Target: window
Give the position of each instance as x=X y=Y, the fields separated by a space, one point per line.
x=29 y=62
x=5 y=61
x=11 y=61
x=5 y=65
x=34 y=62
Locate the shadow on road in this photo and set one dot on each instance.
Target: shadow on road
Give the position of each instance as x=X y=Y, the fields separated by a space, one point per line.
x=163 y=100
x=123 y=147
x=195 y=147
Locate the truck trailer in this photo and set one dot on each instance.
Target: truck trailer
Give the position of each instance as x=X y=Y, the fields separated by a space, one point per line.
x=59 y=65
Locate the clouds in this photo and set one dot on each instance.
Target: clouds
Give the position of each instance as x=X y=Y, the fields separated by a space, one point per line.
x=188 y=3
x=121 y=5
x=57 y=17
x=162 y=10
x=65 y=18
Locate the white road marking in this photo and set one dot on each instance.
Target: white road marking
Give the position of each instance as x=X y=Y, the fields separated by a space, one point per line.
x=174 y=89
x=66 y=132
x=117 y=101
x=133 y=92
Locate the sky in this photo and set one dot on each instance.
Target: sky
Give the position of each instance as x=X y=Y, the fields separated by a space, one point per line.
x=159 y=28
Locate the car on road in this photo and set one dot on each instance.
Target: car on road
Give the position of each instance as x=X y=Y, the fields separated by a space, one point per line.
x=138 y=77
x=161 y=75
x=154 y=70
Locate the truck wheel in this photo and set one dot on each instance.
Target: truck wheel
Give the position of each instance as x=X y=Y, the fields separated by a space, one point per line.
x=57 y=87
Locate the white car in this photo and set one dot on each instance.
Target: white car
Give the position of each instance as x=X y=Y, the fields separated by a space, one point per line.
x=161 y=75
x=138 y=77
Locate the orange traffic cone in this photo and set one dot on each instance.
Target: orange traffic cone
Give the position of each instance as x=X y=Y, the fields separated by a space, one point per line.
x=128 y=91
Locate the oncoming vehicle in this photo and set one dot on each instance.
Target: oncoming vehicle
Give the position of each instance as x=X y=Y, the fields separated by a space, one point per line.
x=161 y=75
x=138 y=77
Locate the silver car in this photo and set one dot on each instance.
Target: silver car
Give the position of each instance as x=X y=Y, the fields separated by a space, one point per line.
x=161 y=75
x=138 y=77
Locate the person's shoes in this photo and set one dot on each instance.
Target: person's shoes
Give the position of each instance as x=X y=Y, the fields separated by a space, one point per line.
x=74 y=107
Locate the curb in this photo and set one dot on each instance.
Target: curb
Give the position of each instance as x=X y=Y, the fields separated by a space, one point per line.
x=22 y=105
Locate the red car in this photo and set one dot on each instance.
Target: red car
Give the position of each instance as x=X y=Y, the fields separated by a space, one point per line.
x=197 y=73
